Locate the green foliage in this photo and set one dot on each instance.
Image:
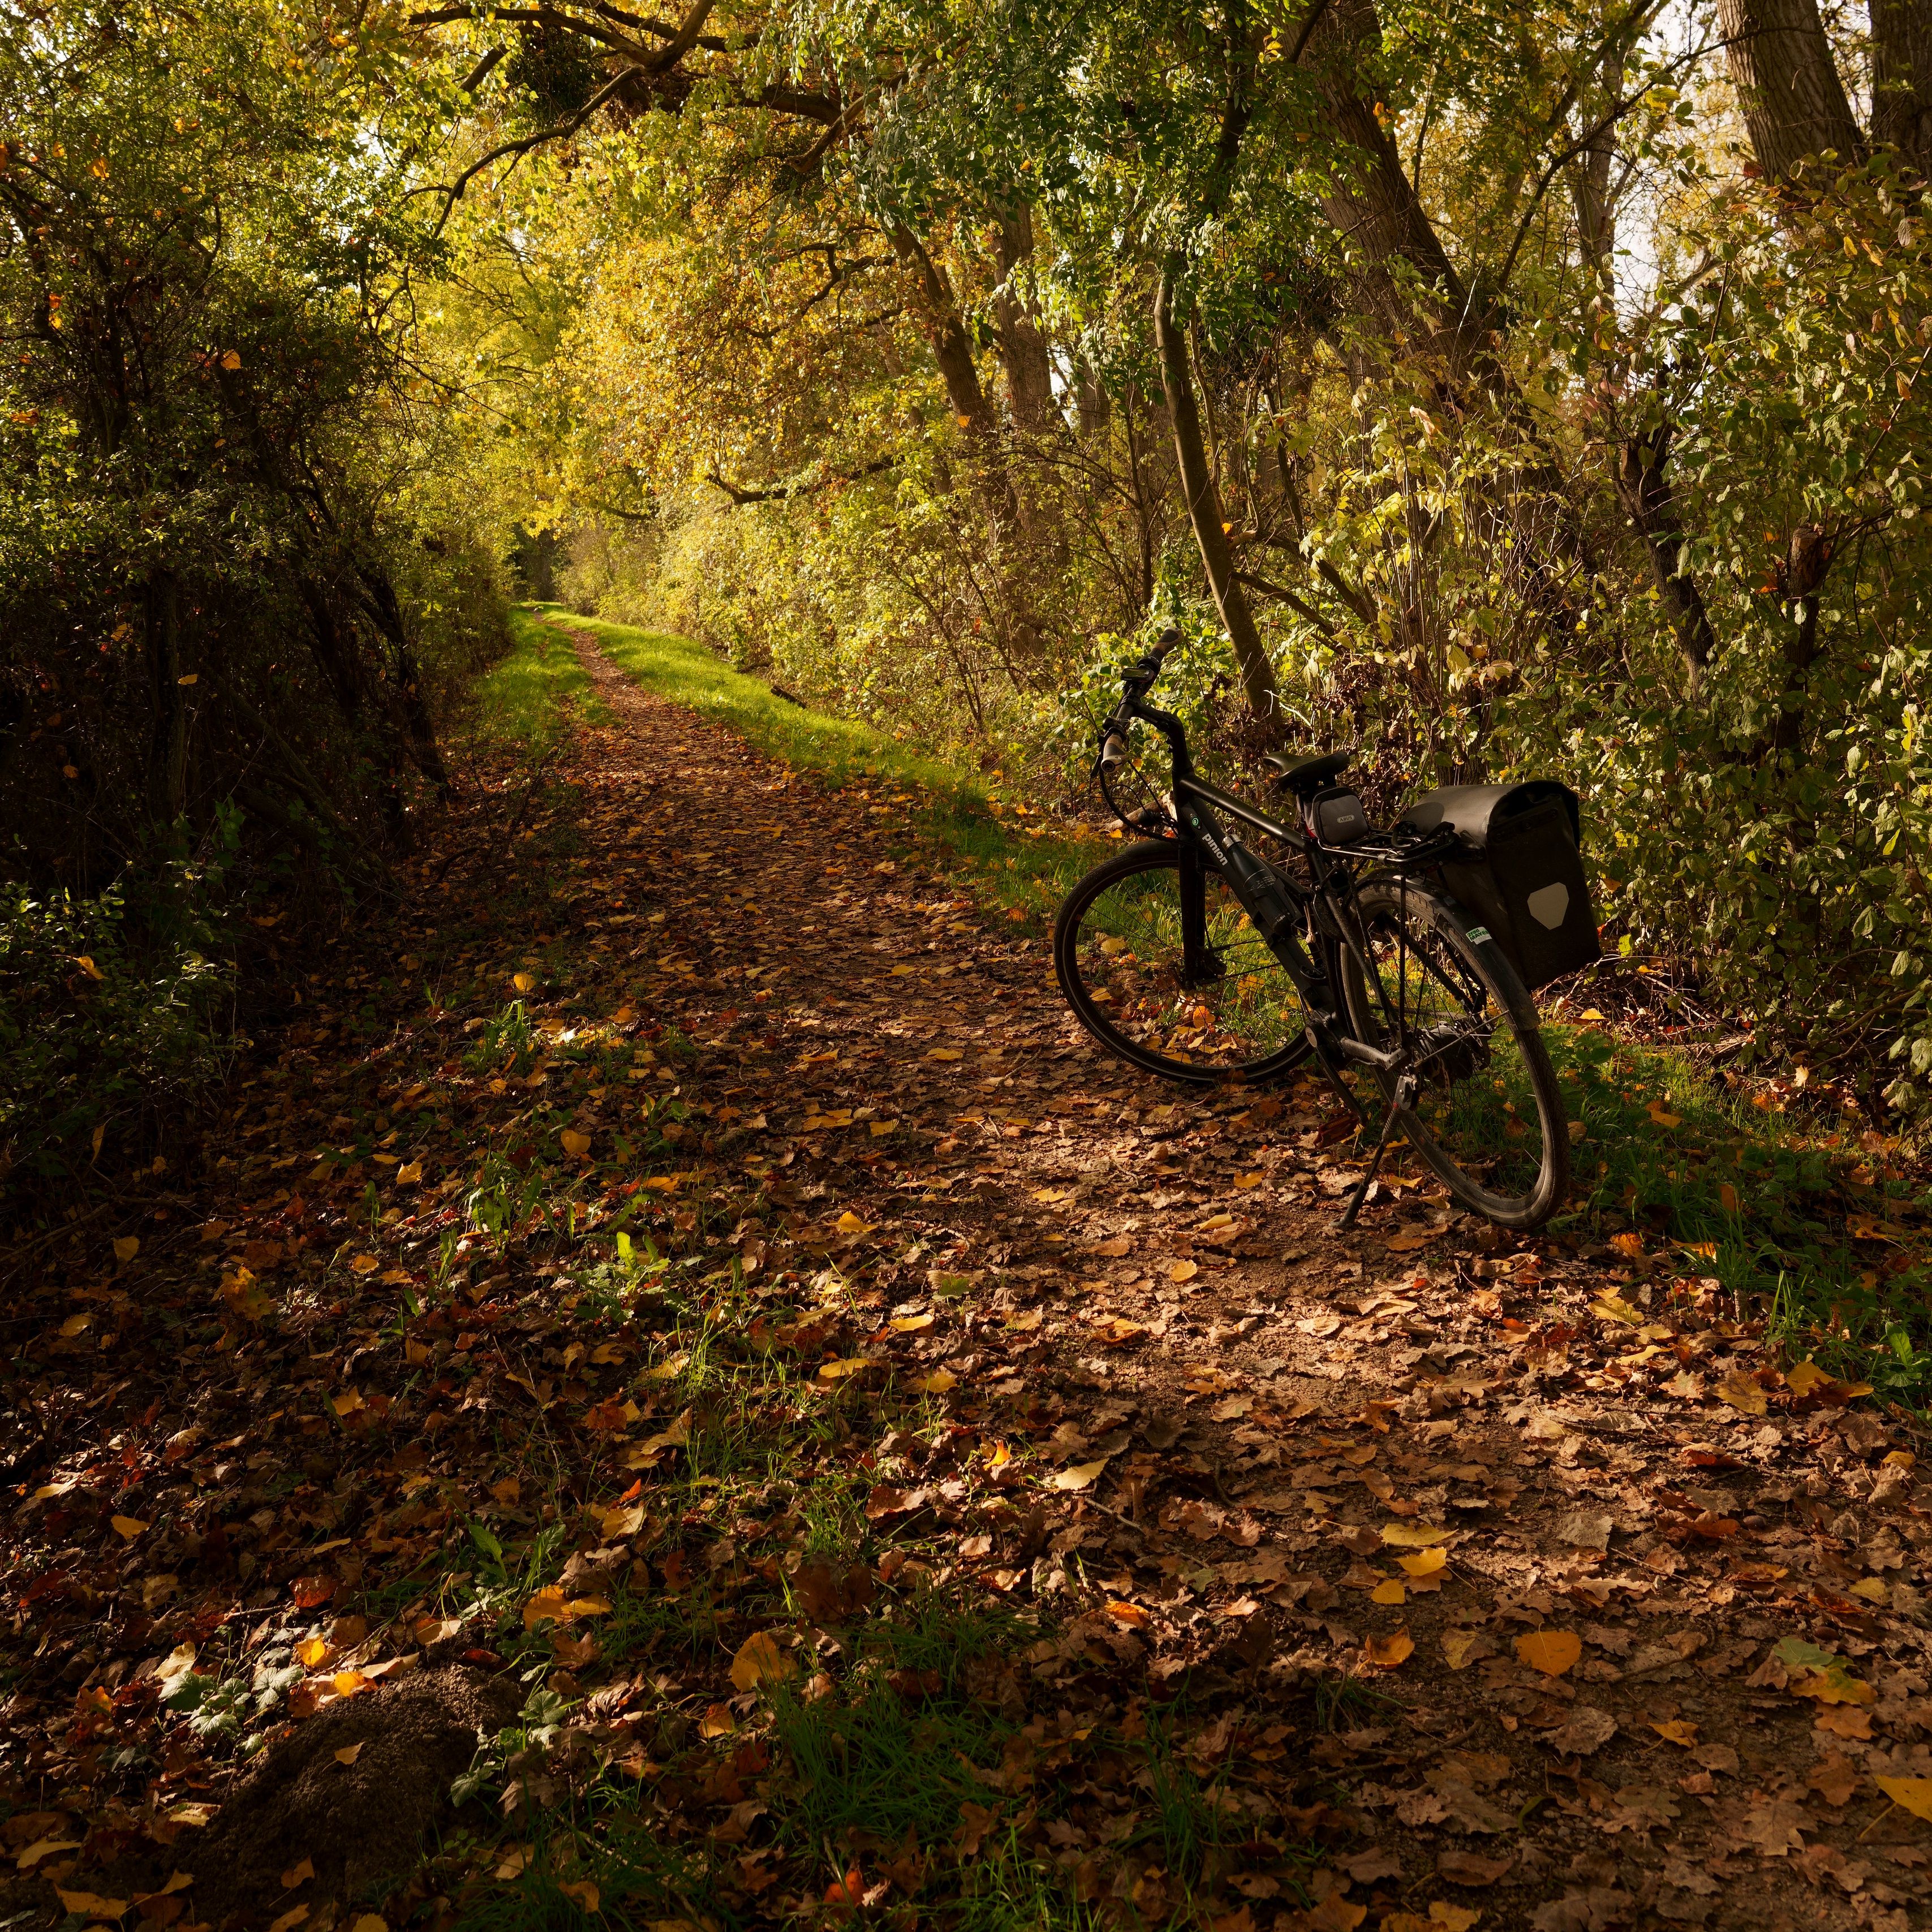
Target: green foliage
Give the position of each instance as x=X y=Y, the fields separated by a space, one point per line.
x=106 y=1012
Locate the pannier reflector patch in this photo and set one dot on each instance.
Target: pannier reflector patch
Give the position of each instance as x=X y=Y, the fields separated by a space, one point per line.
x=1548 y=906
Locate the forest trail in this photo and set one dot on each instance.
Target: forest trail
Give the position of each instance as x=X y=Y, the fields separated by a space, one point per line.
x=1471 y=1577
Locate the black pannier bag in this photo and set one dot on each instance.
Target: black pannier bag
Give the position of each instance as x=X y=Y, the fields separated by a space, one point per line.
x=1518 y=869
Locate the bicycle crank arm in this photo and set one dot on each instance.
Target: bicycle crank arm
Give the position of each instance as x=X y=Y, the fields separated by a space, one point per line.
x=1367 y=1055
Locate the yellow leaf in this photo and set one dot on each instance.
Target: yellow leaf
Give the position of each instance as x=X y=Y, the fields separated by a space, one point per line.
x=1676 y=1731
x=1413 y=1535
x=717 y=1722
x=233 y=360
x=363 y=1265
x=1246 y=1182
x=1802 y=1378
x=1741 y=1391
x=45 y=1848
x=614 y=1525
x=92 y=1905
x=1631 y=1246
x=849 y=1223
x=75 y=1324
x=1458 y=1645
x=1727 y=1197
x=125 y=1249
x=522 y=981
x=1443 y=1916
x=299 y=1874
x=1388 y=1592
x=1615 y=1308
x=1835 y=1685
x=911 y=1325
x=937 y=1383
x=1551 y=1651
x=1386 y=1652
x=880 y=1128
x=1082 y=1476
x=849 y=1365
x=760 y=1661
x=408 y=1174
x=289 y=1920
x=1184 y=1271
x=576 y=1145
x=348 y=1754
x=1872 y=1589
x=945 y=1053
x=546 y=1606
x=314 y=1651
x=1663 y=1118
x=86 y=965
x=1909 y=1794
x=580 y=1889
x=1425 y=1562
x=129 y=1526
x=374 y=1921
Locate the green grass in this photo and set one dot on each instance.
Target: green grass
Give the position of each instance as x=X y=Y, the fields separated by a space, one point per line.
x=947 y=806
x=1741 y=1184
x=527 y=700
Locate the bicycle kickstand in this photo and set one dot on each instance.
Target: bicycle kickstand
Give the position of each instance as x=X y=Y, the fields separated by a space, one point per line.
x=1361 y=1193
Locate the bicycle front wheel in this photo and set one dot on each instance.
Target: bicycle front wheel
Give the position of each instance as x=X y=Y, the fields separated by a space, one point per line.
x=1164 y=967
x=1484 y=1111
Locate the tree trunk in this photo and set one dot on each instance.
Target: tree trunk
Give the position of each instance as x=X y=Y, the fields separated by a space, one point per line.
x=1646 y=496
x=946 y=334
x=1023 y=347
x=1203 y=507
x=167 y=744
x=1902 y=78
x=1794 y=103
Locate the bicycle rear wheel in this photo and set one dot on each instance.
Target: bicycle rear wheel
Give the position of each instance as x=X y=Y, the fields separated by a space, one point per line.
x=1485 y=1114
x=1163 y=967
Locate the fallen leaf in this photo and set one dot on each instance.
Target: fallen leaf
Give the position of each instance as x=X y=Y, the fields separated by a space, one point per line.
x=348 y=1754
x=45 y=1848
x=1386 y=1652
x=1801 y=1378
x=92 y=1905
x=298 y=1874
x=1082 y=1476
x=1425 y=1563
x=374 y=1921
x=1184 y=1271
x=582 y=1890
x=1909 y=1794
x=1551 y=1651
x=1131 y=1615
x=849 y=1223
x=717 y=1722
x=363 y=1264
x=576 y=1145
x=1614 y=1308
x=289 y=1920
x=127 y=1526
x=1413 y=1535
x=1471 y=1868
x=1676 y=1731
x=1388 y=1591
x=760 y=1661
x=126 y=1247
x=944 y=1053
x=937 y=1383
x=1741 y=1391
x=1588 y=1728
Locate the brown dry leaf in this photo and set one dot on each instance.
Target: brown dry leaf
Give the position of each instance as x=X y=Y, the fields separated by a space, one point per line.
x=717 y=1722
x=363 y=1264
x=348 y=1754
x=1551 y=1651
x=1471 y=1868
x=289 y=1920
x=1676 y=1731
x=1834 y=1779
x=370 y=1922
x=583 y=1890
x=298 y=1874
x=1184 y=1271
x=126 y=1247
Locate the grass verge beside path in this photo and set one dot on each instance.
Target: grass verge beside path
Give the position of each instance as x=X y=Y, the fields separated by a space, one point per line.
x=1024 y=870
x=528 y=700
x=1702 y=1185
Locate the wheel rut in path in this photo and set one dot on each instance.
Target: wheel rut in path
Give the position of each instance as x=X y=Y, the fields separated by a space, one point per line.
x=1593 y=1724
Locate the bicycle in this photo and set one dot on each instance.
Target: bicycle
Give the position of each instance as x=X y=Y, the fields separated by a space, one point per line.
x=1189 y=954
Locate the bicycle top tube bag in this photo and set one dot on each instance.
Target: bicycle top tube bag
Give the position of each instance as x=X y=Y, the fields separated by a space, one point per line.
x=1518 y=868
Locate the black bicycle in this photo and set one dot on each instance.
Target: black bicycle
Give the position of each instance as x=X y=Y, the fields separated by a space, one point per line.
x=1192 y=956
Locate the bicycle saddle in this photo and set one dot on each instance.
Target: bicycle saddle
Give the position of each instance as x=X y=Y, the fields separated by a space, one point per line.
x=1308 y=778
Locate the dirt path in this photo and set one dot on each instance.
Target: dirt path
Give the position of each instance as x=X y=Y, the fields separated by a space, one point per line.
x=1491 y=1577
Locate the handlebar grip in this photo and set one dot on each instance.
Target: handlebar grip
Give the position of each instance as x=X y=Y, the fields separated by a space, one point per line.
x=1113 y=750
x=1171 y=639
